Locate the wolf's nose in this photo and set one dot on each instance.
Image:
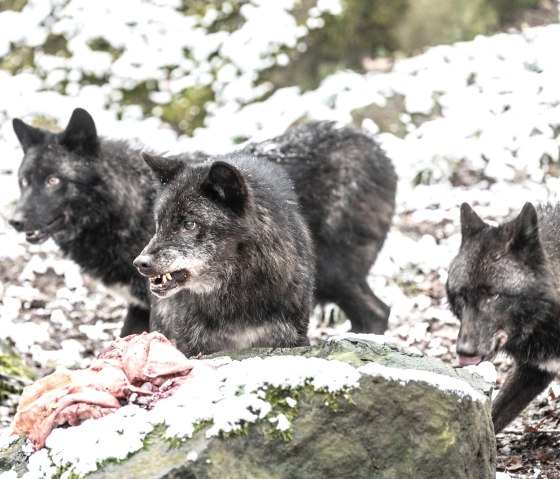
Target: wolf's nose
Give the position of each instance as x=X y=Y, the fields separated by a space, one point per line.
x=144 y=264
x=466 y=348
x=17 y=221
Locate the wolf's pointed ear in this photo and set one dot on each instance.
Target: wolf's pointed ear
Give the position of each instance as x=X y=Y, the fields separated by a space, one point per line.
x=226 y=186
x=80 y=133
x=164 y=168
x=471 y=223
x=27 y=135
x=525 y=236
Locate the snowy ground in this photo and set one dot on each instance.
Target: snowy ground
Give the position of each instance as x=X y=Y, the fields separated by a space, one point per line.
x=479 y=122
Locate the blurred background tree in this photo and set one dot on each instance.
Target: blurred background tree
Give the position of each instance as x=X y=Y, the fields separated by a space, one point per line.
x=239 y=61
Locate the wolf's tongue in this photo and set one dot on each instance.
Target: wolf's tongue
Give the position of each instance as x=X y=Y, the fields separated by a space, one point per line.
x=469 y=360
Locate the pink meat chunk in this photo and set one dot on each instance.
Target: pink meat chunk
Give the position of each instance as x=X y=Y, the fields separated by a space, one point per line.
x=153 y=360
x=143 y=367
x=96 y=399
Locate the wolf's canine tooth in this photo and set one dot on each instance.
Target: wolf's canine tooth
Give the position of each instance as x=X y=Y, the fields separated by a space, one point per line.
x=168 y=276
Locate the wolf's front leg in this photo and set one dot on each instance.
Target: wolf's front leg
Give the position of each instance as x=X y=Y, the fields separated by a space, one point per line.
x=136 y=321
x=521 y=386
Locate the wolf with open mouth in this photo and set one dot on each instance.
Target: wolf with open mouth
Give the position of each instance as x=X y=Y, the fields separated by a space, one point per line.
x=94 y=196
x=232 y=261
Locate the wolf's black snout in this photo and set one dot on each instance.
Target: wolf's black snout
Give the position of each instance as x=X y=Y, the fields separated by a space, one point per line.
x=17 y=221
x=466 y=348
x=144 y=264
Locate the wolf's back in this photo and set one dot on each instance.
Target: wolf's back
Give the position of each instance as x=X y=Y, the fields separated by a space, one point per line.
x=345 y=183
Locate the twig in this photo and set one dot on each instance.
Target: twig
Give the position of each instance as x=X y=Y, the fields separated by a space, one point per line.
x=517 y=432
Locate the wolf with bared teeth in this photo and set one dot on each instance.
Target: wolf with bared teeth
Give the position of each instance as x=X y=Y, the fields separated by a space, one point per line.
x=504 y=286
x=94 y=197
x=232 y=261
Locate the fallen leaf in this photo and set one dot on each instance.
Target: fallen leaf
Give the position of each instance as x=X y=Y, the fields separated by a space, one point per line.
x=545 y=457
x=515 y=463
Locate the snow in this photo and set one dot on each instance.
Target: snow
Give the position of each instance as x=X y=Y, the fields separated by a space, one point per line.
x=122 y=432
x=291 y=401
x=192 y=456
x=69 y=355
x=440 y=381
x=376 y=338
x=228 y=408
x=25 y=335
x=498 y=99
x=282 y=422
x=486 y=370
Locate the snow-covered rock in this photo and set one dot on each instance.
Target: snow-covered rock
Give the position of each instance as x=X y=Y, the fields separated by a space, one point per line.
x=355 y=406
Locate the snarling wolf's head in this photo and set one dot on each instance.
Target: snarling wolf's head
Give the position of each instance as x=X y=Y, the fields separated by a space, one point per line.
x=499 y=285
x=52 y=172
x=200 y=216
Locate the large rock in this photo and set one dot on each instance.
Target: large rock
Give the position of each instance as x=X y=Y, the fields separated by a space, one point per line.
x=352 y=408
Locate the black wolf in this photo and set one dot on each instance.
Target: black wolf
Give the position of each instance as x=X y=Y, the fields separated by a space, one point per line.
x=231 y=262
x=346 y=187
x=94 y=198
x=503 y=286
x=99 y=210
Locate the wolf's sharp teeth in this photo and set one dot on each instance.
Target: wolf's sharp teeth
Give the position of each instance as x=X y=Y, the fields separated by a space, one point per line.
x=164 y=279
x=168 y=276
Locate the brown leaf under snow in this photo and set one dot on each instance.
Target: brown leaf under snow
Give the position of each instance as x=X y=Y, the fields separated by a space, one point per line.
x=514 y=463
x=545 y=457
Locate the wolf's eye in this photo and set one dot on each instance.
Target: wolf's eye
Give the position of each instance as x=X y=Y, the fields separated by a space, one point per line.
x=53 y=180
x=492 y=297
x=24 y=183
x=189 y=225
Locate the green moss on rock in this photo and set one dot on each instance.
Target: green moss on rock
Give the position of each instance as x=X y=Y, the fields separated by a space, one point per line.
x=14 y=374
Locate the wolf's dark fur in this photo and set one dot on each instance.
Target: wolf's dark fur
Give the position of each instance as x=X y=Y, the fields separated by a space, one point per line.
x=346 y=187
x=232 y=260
x=94 y=197
x=345 y=184
x=503 y=286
